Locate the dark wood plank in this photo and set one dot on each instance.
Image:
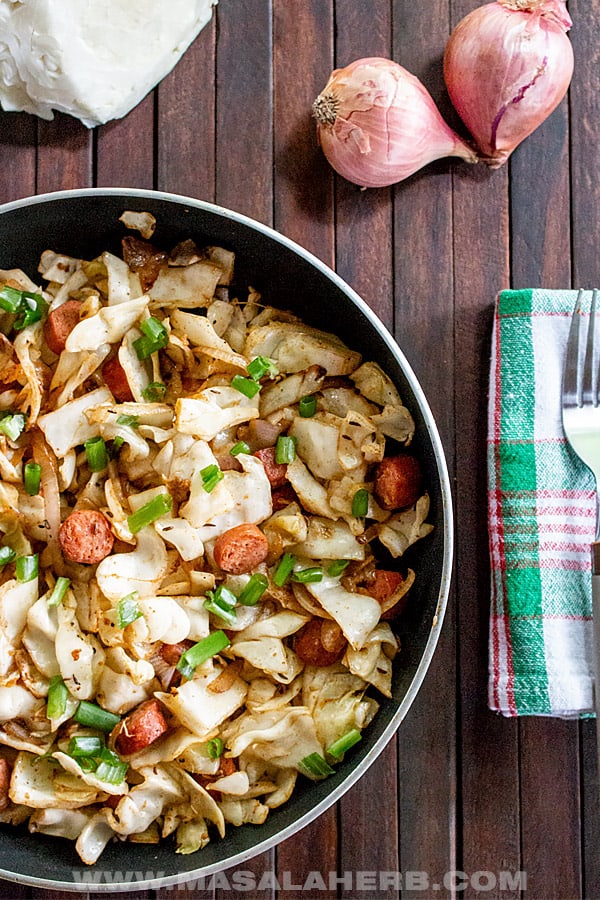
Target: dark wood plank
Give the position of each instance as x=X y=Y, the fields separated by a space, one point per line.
x=302 y=178
x=65 y=155
x=423 y=326
x=309 y=858
x=125 y=149
x=244 y=111
x=185 y=136
x=18 y=136
x=490 y=839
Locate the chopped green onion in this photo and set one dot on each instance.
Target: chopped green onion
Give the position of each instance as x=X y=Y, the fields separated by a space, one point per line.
x=112 y=774
x=314 y=764
x=211 y=476
x=284 y=569
x=109 y=756
x=307 y=406
x=337 y=567
x=255 y=588
x=128 y=610
x=10 y=298
x=360 y=503
x=308 y=576
x=246 y=386
x=117 y=443
x=221 y=602
x=240 y=447
x=59 y=590
x=85 y=745
x=154 y=337
x=96 y=454
x=58 y=694
x=194 y=656
x=13 y=425
x=7 y=554
x=261 y=366
x=285 y=449
x=159 y=506
x=87 y=764
x=32 y=476
x=215 y=748
x=31 y=309
x=339 y=747
x=94 y=716
x=124 y=419
x=26 y=568
x=154 y=392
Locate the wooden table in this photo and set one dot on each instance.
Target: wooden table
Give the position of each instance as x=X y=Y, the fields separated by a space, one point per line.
x=460 y=789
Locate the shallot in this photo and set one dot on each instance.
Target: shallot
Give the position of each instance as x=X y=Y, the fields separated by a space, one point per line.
x=377 y=124
x=507 y=66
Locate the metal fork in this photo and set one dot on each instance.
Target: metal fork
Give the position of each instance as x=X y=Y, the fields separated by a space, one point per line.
x=581 y=423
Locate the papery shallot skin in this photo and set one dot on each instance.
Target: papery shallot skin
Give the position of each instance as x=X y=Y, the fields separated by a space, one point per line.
x=377 y=124
x=507 y=69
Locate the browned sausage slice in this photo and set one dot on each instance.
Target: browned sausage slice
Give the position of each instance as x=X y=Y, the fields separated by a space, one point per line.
x=275 y=472
x=116 y=380
x=386 y=583
x=240 y=549
x=60 y=323
x=141 y=728
x=4 y=782
x=320 y=643
x=85 y=537
x=398 y=481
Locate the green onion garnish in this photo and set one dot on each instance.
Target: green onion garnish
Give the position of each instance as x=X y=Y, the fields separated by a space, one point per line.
x=285 y=449
x=211 y=476
x=154 y=337
x=112 y=773
x=32 y=476
x=96 y=454
x=57 y=698
x=13 y=425
x=284 y=569
x=31 y=309
x=117 y=443
x=307 y=407
x=10 y=298
x=87 y=764
x=240 y=447
x=360 y=503
x=308 y=576
x=94 y=716
x=7 y=554
x=132 y=421
x=255 y=588
x=339 y=747
x=85 y=745
x=128 y=610
x=221 y=602
x=58 y=591
x=159 y=506
x=261 y=366
x=215 y=748
x=26 y=568
x=337 y=567
x=154 y=392
x=246 y=386
x=194 y=656
x=316 y=765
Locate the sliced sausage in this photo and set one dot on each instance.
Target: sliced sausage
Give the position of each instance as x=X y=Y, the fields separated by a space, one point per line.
x=85 y=537
x=240 y=549
x=398 y=481
x=283 y=496
x=320 y=643
x=116 y=380
x=382 y=587
x=60 y=323
x=141 y=728
x=4 y=782
x=275 y=472
x=171 y=653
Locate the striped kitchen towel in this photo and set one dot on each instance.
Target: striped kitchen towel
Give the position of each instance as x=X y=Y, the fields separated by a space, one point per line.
x=541 y=512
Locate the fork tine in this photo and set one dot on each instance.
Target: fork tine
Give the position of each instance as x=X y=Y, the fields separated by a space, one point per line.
x=571 y=380
x=589 y=380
